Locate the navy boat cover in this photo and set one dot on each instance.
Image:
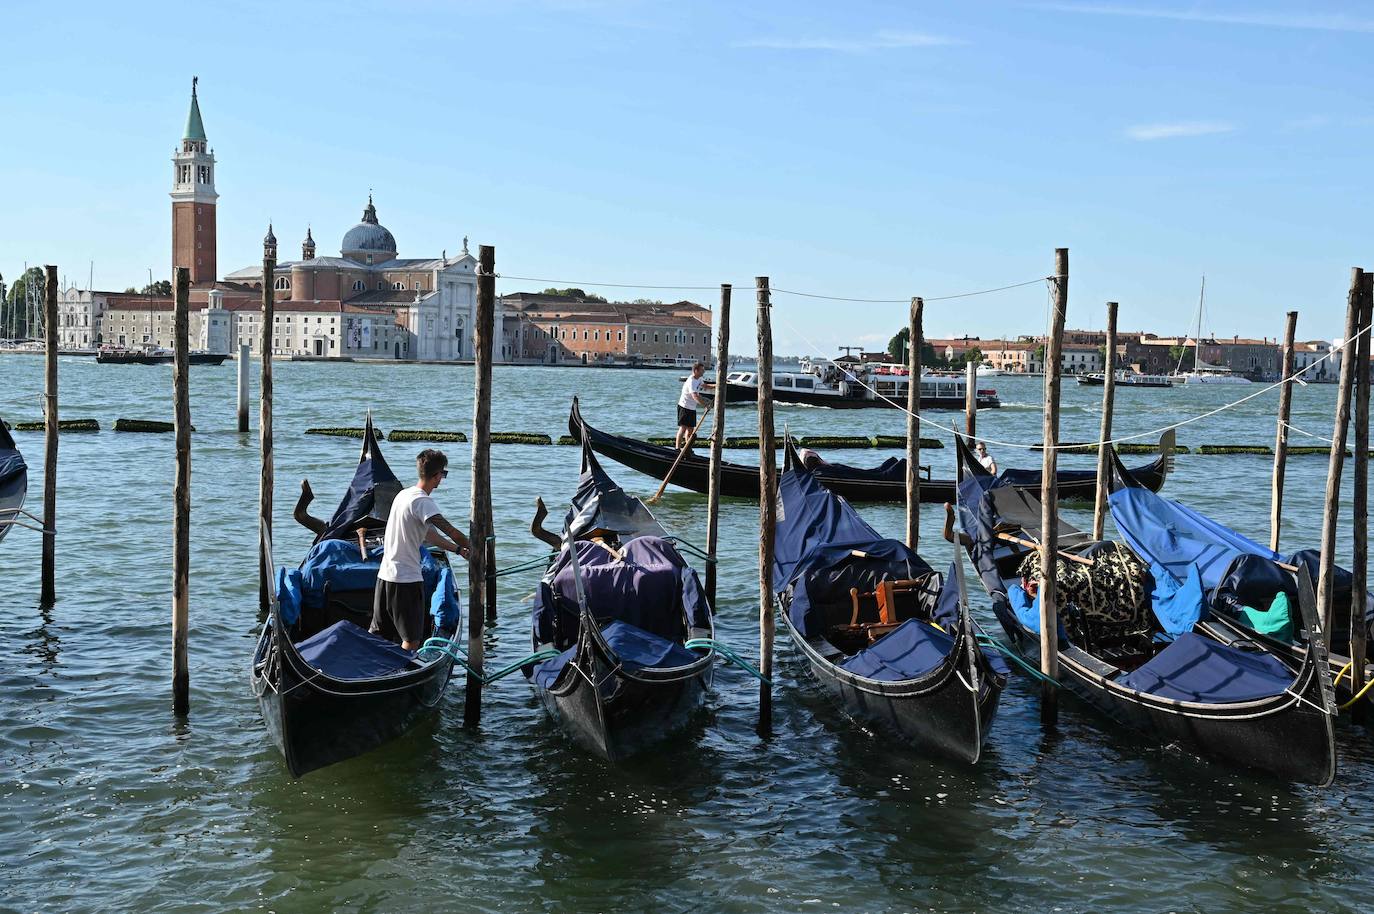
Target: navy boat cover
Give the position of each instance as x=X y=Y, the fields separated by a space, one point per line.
x=912 y=649
x=368 y=499
x=600 y=504
x=818 y=535
x=1194 y=668
x=893 y=469
x=346 y=651
x=650 y=587
x=634 y=647
x=339 y=564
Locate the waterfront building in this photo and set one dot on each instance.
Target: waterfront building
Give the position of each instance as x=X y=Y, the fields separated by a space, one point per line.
x=559 y=329
x=1312 y=355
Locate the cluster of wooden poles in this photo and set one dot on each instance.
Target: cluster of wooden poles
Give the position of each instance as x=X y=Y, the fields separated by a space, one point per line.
x=1354 y=386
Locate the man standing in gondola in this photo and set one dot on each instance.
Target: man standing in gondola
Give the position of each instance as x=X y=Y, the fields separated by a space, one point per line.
x=398 y=604
x=687 y=403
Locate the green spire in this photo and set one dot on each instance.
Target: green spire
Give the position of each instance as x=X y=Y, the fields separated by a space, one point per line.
x=195 y=130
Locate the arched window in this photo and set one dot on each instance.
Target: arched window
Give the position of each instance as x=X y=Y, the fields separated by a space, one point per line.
x=282 y=283
x=397 y=286
x=358 y=285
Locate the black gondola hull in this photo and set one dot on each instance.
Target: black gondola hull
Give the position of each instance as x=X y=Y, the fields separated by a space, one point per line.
x=622 y=716
x=937 y=715
x=742 y=481
x=315 y=720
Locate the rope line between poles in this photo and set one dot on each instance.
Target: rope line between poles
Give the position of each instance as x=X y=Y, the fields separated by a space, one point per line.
x=872 y=301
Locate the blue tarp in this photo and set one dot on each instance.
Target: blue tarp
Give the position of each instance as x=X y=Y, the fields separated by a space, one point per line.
x=1169 y=534
x=946 y=611
x=635 y=648
x=368 y=499
x=339 y=564
x=345 y=651
x=1194 y=668
x=817 y=533
x=910 y=650
x=651 y=587
x=893 y=469
x=1177 y=605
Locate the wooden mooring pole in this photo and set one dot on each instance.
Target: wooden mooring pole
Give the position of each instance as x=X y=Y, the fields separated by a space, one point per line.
x=1359 y=563
x=489 y=589
x=480 y=524
x=1290 y=331
x=269 y=302
x=717 y=442
x=915 y=339
x=971 y=401
x=47 y=592
x=1104 y=454
x=245 y=360
x=1049 y=498
x=1349 y=356
x=181 y=493
x=768 y=505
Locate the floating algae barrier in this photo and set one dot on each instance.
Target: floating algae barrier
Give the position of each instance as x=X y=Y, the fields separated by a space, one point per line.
x=1126 y=447
x=345 y=432
x=1315 y=449
x=63 y=425
x=408 y=434
x=567 y=439
x=927 y=444
x=1221 y=449
x=749 y=442
x=834 y=441
x=145 y=425
x=519 y=438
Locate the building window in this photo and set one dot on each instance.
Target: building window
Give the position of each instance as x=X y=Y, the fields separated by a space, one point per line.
x=381 y=285
x=397 y=286
x=205 y=174
x=584 y=334
x=358 y=285
x=620 y=336
x=596 y=335
x=655 y=336
x=282 y=283
x=417 y=285
x=369 y=258
x=184 y=174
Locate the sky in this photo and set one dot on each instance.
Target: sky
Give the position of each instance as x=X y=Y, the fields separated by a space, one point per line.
x=859 y=150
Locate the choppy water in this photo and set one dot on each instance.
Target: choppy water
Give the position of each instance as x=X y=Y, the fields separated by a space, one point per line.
x=107 y=803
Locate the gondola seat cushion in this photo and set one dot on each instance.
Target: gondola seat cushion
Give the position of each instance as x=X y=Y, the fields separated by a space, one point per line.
x=347 y=651
x=1198 y=669
x=1276 y=621
x=909 y=651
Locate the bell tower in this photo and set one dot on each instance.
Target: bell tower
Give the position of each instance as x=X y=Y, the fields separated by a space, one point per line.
x=193 y=201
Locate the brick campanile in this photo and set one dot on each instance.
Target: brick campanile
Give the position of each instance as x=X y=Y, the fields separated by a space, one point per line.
x=193 y=201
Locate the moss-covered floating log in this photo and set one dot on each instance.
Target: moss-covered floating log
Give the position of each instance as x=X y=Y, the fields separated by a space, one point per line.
x=662 y=441
x=1126 y=447
x=345 y=432
x=519 y=438
x=63 y=425
x=1220 y=449
x=145 y=425
x=887 y=441
x=567 y=439
x=1314 y=449
x=410 y=434
x=749 y=442
x=836 y=441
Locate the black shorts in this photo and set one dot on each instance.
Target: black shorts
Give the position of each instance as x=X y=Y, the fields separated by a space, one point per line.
x=398 y=611
x=686 y=418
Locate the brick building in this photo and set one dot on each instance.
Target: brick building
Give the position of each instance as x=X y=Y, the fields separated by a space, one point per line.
x=559 y=329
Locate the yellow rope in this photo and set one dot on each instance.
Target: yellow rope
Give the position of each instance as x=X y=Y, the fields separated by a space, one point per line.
x=1345 y=669
x=1367 y=686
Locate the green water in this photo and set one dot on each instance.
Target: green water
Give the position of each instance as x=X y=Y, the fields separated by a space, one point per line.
x=107 y=803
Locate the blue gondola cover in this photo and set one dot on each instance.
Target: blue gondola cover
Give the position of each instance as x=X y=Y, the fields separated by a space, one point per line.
x=634 y=647
x=346 y=651
x=1197 y=669
x=339 y=564
x=910 y=650
x=368 y=499
x=1178 y=605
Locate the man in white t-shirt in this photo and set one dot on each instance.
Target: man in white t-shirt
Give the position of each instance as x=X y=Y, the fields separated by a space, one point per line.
x=398 y=604
x=687 y=403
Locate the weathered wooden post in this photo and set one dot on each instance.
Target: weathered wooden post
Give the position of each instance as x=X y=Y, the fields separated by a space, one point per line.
x=970 y=400
x=480 y=525
x=1281 y=437
x=245 y=359
x=489 y=589
x=1359 y=564
x=768 y=504
x=1349 y=356
x=717 y=442
x=269 y=302
x=1104 y=454
x=1049 y=498
x=915 y=339
x=181 y=493
x=47 y=593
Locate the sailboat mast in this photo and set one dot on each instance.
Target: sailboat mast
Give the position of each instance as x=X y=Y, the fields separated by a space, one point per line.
x=1197 y=339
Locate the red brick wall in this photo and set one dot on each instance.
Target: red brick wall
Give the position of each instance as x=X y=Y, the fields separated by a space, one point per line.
x=193 y=240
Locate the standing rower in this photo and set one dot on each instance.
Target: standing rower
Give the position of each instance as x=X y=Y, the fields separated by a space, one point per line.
x=687 y=403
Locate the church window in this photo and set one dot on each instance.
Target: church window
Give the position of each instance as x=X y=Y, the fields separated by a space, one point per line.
x=397 y=286
x=282 y=283
x=205 y=174
x=358 y=285
x=381 y=285
x=369 y=258
x=417 y=285
x=655 y=336
x=184 y=174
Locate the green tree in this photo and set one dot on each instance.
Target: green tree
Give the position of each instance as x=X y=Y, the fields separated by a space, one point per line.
x=161 y=287
x=896 y=350
x=573 y=292
x=1184 y=356
x=973 y=354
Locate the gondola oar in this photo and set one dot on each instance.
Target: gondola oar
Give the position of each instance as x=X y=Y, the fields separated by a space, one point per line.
x=680 y=454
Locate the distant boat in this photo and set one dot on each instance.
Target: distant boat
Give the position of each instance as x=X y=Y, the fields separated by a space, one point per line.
x=1127 y=379
x=1202 y=373
x=154 y=355
x=825 y=383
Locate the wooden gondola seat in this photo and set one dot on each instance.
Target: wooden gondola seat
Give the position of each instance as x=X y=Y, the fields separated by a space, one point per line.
x=893 y=604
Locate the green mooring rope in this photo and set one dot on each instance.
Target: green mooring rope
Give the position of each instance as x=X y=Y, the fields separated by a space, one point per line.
x=1014 y=657
x=725 y=651
x=454 y=649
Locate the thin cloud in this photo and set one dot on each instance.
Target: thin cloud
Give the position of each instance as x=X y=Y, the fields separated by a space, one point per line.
x=1146 y=132
x=878 y=41
x=1323 y=22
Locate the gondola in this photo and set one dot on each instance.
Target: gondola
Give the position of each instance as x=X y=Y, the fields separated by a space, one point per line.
x=620 y=605
x=328 y=689
x=886 y=482
x=1244 y=580
x=1136 y=658
x=14 y=482
x=883 y=632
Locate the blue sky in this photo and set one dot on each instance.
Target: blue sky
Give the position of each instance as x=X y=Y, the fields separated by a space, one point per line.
x=870 y=150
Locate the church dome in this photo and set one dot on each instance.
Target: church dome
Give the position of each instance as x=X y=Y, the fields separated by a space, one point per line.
x=369 y=236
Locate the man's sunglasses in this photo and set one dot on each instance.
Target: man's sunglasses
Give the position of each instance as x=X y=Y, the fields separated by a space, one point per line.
x=443 y=474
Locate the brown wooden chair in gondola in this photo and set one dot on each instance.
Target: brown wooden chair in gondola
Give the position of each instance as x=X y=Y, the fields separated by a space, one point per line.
x=877 y=612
